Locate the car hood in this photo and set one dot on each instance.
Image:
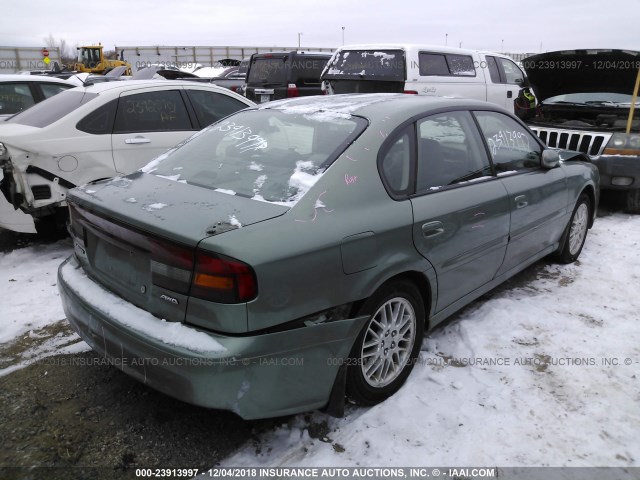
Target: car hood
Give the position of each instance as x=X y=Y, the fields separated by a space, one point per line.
x=173 y=210
x=582 y=71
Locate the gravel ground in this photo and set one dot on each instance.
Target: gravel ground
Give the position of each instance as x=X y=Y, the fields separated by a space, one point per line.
x=71 y=411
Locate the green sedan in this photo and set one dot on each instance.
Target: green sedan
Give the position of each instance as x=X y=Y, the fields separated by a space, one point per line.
x=294 y=254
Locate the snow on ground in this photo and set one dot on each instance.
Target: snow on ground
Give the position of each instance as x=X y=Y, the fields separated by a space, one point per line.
x=530 y=375
x=517 y=379
x=28 y=278
x=32 y=321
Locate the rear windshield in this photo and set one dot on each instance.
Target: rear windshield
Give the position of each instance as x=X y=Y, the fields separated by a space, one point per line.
x=53 y=109
x=267 y=70
x=380 y=64
x=268 y=155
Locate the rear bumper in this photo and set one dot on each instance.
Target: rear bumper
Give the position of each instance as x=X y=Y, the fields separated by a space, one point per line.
x=613 y=166
x=254 y=376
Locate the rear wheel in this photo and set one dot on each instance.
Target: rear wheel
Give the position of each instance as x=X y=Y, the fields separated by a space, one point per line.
x=576 y=232
x=387 y=348
x=633 y=201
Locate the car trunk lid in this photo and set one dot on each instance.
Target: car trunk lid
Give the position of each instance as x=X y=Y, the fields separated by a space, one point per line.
x=139 y=238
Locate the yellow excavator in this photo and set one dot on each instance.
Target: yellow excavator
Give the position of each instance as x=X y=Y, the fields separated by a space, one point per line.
x=91 y=60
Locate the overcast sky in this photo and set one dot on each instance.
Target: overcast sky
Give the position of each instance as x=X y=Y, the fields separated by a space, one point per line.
x=495 y=25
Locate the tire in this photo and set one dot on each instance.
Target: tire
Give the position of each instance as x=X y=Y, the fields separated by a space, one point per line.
x=576 y=232
x=633 y=201
x=387 y=348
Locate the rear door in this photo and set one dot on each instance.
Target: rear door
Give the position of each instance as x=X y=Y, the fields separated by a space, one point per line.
x=147 y=124
x=537 y=196
x=461 y=211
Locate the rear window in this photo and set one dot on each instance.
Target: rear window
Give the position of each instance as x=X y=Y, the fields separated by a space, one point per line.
x=267 y=70
x=268 y=155
x=53 y=109
x=381 y=64
x=446 y=65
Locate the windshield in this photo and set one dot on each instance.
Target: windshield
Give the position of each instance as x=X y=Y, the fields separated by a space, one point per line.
x=593 y=98
x=268 y=155
x=382 y=64
x=53 y=109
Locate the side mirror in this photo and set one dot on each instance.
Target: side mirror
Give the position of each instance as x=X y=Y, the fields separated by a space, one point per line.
x=550 y=159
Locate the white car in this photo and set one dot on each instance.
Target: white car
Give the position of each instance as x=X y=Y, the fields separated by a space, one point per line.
x=19 y=92
x=96 y=132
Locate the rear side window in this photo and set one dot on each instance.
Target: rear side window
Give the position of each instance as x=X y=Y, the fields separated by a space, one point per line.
x=162 y=111
x=493 y=69
x=14 y=97
x=446 y=65
x=211 y=106
x=395 y=165
x=100 y=121
x=53 y=109
x=511 y=146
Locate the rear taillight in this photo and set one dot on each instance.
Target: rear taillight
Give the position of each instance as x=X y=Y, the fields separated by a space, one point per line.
x=223 y=279
x=171 y=266
x=216 y=278
x=411 y=92
x=292 y=90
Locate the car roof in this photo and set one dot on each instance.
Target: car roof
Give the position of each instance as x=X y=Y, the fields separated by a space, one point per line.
x=136 y=84
x=15 y=77
x=416 y=46
x=375 y=105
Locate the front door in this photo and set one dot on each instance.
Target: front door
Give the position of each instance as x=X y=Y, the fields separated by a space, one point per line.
x=537 y=196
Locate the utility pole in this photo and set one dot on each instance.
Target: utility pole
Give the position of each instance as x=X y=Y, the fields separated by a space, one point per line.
x=343 y=36
x=299 y=35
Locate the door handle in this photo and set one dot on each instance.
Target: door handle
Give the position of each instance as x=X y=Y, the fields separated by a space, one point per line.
x=509 y=94
x=432 y=229
x=521 y=201
x=135 y=140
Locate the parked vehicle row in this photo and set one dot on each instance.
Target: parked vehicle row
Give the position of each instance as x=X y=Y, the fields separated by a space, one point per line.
x=330 y=230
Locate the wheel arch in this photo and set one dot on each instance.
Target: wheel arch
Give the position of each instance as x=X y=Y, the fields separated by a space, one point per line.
x=590 y=192
x=416 y=278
